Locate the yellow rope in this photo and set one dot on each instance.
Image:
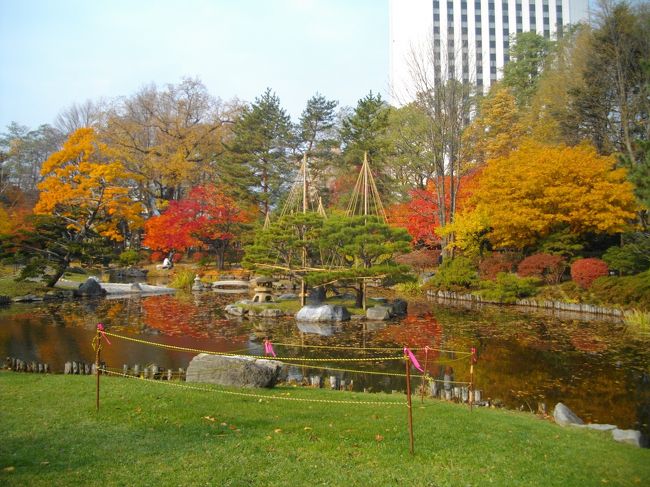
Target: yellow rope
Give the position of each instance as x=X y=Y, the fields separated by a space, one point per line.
x=229 y=354
x=260 y=396
x=343 y=347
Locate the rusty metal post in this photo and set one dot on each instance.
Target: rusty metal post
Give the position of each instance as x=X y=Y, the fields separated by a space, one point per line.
x=97 y=345
x=472 y=361
x=424 y=374
x=408 y=402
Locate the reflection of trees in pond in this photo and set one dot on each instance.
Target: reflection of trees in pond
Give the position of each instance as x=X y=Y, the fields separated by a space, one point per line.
x=182 y=316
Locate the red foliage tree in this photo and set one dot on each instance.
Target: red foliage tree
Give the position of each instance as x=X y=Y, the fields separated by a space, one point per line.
x=543 y=266
x=207 y=218
x=586 y=271
x=496 y=262
x=421 y=216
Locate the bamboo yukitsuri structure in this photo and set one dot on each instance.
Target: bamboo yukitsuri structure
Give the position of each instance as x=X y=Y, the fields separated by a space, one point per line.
x=294 y=204
x=365 y=200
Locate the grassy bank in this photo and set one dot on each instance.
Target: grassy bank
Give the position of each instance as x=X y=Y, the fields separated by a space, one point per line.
x=150 y=434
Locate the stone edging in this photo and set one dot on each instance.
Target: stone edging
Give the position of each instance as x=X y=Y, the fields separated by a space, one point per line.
x=531 y=303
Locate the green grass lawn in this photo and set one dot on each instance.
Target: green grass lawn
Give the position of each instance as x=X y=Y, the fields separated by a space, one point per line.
x=151 y=434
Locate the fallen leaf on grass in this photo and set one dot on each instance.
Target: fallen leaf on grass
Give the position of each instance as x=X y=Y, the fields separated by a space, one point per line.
x=277 y=430
x=307 y=428
x=379 y=438
x=209 y=418
x=9 y=469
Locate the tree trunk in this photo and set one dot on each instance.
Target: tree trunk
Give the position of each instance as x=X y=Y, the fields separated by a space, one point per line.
x=221 y=251
x=359 y=299
x=60 y=270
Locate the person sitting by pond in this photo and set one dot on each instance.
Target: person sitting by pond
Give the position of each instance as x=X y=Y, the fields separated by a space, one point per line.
x=167 y=264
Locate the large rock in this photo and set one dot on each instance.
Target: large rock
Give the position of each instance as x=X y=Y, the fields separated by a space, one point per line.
x=398 y=307
x=270 y=313
x=233 y=371
x=233 y=309
x=378 y=313
x=564 y=416
x=631 y=437
x=90 y=288
x=322 y=312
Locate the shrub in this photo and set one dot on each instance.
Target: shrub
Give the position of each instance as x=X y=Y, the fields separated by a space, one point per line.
x=129 y=257
x=546 y=267
x=157 y=256
x=624 y=290
x=508 y=288
x=419 y=259
x=198 y=256
x=631 y=258
x=177 y=257
x=586 y=271
x=183 y=280
x=455 y=275
x=495 y=263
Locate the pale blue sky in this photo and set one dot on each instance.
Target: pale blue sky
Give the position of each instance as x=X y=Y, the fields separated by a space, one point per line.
x=56 y=52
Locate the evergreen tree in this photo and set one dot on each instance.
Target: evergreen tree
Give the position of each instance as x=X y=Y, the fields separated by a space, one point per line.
x=260 y=146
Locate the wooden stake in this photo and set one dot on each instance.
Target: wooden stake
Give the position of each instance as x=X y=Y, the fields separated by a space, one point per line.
x=408 y=403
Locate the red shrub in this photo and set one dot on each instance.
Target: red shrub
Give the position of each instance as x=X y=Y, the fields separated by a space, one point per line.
x=586 y=271
x=419 y=259
x=495 y=263
x=543 y=266
x=177 y=257
x=197 y=256
x=157 y=256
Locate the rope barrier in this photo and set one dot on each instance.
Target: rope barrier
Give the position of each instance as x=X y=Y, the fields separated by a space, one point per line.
x=342 y=347
x=229 y=354
x=258 y=396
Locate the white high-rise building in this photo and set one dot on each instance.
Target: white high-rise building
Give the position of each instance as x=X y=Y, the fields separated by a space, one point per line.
x=467 y=39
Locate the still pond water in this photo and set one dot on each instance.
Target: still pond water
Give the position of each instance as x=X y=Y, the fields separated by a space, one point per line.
x=595 y=367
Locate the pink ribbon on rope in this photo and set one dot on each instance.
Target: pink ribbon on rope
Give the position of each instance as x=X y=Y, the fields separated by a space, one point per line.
x=100 y=328
x=413 y=360
x=268 y=348
x=474 y=357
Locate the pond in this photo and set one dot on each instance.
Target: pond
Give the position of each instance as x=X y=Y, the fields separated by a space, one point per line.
x=595 y=367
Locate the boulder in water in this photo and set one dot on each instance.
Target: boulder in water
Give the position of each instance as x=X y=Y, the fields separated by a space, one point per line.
x=322 y=312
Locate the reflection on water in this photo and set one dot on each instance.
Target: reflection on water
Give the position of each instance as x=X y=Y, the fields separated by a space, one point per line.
x=595 y=368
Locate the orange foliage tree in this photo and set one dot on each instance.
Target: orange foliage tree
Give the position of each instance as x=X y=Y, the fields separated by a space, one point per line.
x=86 y=191
x=539 y=189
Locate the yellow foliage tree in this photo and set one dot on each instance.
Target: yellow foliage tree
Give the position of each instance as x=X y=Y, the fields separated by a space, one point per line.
x=538 y=189
x=496 y=130
x=86 y=191
x=84 y=187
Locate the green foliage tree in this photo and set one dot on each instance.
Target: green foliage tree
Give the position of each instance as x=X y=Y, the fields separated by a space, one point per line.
x=527 y=57
x=360 y=247
x=408 y=158
x=317 y=137
x=290 y=242
x=260 y=146
x=455 y=274
x=632 y=257
x=365 y=129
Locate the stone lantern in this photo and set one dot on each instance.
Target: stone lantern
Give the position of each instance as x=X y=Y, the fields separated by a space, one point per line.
x=263 y=290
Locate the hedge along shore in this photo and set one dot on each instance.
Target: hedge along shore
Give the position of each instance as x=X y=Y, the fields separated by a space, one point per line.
x=531 y=303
